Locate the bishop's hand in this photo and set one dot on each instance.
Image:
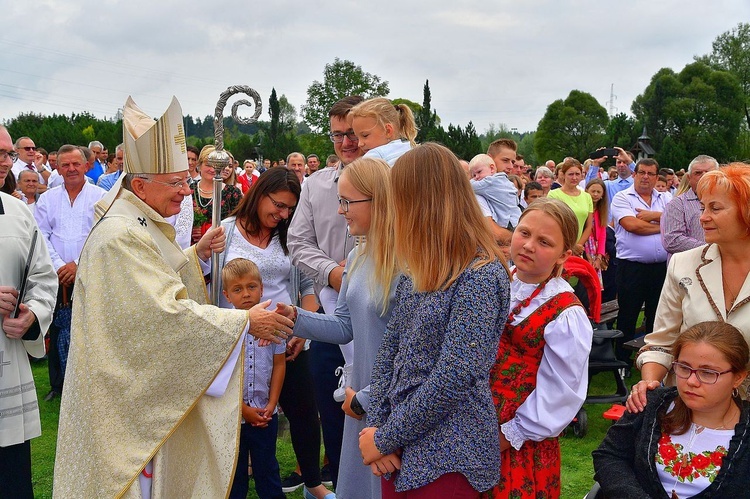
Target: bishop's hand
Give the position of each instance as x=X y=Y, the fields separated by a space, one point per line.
x=268 y=325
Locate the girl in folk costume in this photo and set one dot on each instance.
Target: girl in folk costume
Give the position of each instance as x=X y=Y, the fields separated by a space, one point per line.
x=539 y=380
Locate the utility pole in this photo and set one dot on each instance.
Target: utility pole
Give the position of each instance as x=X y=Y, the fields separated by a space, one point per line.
x=611 y=101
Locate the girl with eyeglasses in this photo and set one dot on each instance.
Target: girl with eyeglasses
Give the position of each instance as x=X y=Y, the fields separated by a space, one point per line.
x=363 y=309
x=691 y=440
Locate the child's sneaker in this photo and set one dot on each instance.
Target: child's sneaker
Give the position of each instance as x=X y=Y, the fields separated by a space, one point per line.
x=345 y=373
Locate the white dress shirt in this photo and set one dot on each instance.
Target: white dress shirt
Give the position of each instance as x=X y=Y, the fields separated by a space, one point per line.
x=66 y=225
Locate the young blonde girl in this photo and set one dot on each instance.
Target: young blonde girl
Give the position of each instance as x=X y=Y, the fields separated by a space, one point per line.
x=384 y=130
x=431 y=411
x=363 y=308
x=539 y=380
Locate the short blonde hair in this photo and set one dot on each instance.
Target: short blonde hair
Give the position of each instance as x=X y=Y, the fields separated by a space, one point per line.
x=238 y=268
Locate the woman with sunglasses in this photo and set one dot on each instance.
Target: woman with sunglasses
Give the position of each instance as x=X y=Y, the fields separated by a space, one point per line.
x=691 y=440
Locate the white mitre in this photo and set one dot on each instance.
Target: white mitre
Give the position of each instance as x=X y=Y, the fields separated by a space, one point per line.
x=150 y=146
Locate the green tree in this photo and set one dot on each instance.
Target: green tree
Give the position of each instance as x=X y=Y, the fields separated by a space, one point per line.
x=731 y=52
x=426 y=118
x=287 y=114
x=526 y=148
x=571 y=127
x=696 y=109
x=622 y=131
x=341 y=78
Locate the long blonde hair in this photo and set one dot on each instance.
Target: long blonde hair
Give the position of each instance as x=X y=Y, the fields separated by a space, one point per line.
x=438 y=227
x=370 y=176
x=384 y=111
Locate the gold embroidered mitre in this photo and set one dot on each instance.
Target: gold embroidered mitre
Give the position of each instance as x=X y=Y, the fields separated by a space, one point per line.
x=153 y=147
x=150 y=147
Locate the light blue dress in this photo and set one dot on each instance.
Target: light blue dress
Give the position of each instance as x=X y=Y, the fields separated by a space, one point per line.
x=357 y=317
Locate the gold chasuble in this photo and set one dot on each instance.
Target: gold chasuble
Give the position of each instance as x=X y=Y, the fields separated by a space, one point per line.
x=144 y=348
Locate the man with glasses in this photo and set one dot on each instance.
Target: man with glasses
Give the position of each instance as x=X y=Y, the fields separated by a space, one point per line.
x=151 y=403
x=65 y=215
x=641 y=258
x=318 y=244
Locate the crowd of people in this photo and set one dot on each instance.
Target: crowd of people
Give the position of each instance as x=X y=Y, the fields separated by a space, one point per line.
x=410 y=307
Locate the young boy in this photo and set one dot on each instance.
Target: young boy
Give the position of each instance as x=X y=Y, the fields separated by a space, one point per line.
x=532 y=191
x=500 y=193
x=264 y=374
x=662 y=185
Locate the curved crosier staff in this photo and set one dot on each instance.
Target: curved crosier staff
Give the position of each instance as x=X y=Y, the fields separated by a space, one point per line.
x=219 y=159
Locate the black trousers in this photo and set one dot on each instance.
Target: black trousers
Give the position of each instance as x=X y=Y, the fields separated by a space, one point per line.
x=15 y=471
x=638 y=284
x=297 y=400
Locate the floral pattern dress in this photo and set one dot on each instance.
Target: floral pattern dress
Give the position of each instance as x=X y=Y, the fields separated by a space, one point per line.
x=203 y=207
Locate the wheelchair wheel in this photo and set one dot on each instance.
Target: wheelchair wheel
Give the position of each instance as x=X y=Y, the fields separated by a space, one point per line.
x=581 y=424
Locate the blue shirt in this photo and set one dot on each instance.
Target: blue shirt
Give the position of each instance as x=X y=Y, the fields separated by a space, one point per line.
x=258 y=370
x=96 y=171
x=108 y=180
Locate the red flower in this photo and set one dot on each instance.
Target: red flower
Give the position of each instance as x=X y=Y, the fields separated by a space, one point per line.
x=205 y=227
x=717 y=458
x=686 y=471
x=667 y=452
x=677 y=468
x=701 y=462
x=665 y=439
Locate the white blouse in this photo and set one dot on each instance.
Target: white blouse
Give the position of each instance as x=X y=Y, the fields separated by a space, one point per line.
x=562 y=379
x=275 y=267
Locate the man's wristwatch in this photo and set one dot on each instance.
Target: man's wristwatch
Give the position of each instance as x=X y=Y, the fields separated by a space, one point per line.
x=356 y=407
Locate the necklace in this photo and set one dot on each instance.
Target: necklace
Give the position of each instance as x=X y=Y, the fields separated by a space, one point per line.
x=525 y=303
x=199 y=199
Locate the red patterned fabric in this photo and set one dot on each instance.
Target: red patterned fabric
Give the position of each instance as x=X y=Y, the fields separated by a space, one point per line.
x=534 y=470
x=578 y=267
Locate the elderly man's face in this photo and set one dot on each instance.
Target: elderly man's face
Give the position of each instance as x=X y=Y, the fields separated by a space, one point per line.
x=297 y=165
x=72 y=167
x=165 y=199
x=6 y=146
x=26 y=151
x=697 y=172
x=28 y=181
x=52 y=160
x=119 y=158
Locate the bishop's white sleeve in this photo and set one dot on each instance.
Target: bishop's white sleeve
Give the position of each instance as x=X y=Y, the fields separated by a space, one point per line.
x=561 y=382
x=221 y=381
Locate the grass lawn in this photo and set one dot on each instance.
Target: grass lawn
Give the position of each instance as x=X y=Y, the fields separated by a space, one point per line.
x=577 y=471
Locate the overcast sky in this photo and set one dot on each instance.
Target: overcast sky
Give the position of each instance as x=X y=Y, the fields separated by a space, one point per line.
x=496 y=62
